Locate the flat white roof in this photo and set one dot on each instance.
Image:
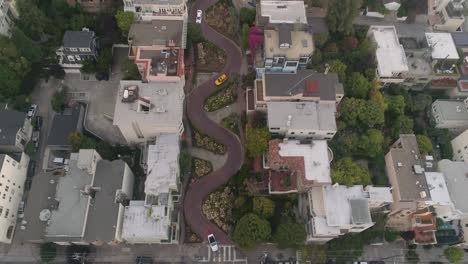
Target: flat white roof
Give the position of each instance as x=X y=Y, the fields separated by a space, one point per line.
x=457 y=182
x=162 y=165
x=284 y=11
x=379 y=194
x=323 y=229
x=145 y=223
x=316 y=160
x=442 y=46
x=391 y=57
x=438 y=188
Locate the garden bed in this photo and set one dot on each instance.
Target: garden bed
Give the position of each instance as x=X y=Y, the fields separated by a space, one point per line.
x=218 y=208
x=201 y=167
x=231 y=122
x=210 y=58
x=205 y=142
x=225 y=96
x=223 y=18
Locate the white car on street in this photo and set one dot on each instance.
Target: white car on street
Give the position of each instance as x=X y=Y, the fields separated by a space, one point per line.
x=199 y=16
x=32 y=111
x=213 y=243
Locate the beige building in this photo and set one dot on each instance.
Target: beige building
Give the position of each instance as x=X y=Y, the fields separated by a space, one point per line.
x=13 y=176
x=15 y=131
x=446 y=15
x=460 y=147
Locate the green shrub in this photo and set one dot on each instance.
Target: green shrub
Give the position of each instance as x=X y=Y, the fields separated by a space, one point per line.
x=48 y=252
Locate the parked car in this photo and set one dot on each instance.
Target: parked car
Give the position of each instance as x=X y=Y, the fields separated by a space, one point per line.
x=221 y=79
x=38 y=123
x=199 y=16
x=32 y=111
x=27 y=184
x=31 y=169
x=143 y=260
x=21 y=207
x=213 y=243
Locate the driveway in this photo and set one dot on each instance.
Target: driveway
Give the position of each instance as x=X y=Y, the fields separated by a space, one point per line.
x=198 y=190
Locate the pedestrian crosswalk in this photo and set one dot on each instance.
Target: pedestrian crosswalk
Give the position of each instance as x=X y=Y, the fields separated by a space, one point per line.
x=225 y=254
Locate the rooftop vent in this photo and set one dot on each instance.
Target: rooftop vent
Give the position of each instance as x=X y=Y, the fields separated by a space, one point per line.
x=418 y=169
x=399 y=164
x=281 y=6
x=423 y=194
x=130 y=94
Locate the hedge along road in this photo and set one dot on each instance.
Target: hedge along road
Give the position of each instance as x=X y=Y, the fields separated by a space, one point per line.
x=200 y=189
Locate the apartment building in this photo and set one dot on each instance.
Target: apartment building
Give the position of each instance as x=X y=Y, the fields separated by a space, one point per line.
x=13 y=176
x=304 y=121
x=460 y=147
x=155 y=219
x=446 y=15
x=451 y=114
x=146 y=110
x=148 y=10
x=15 y=131
x=77 y=47
x=6 y=18
x=392 y=65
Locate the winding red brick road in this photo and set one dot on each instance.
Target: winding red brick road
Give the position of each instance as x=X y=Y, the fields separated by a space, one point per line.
x=200 y=189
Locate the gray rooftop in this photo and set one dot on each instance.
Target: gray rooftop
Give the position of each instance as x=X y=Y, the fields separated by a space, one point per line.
x=460 y=39
x=103 y=214
x=10 y=122
x=360 y=213
x=63 y=125
x=302 y=115
x=455 y=173
x=306 y=82
x=157 y=32
x=284 y=33
x=405 y=155
x=317 y=25
x=78 y=39
x=451 y=109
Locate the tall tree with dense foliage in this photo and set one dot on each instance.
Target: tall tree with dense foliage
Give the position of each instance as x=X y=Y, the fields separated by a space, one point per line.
x=424 y=143
x=371 y=144
x=339 y=68
x=48 y=252
x=257 y=141
x=421 y=102
x=246 y=16
x=290 y=235
x=357 y=85
x=31 y=51
x=345 y=171
x=194 y=33
x=251 y=230
x=341 y=14
x=263 y=207
x=13 y=68
x=454 y=254
x=396 y=104
x=376 y=96
x=402 y=124
x=124 y=20
x=31 y=19
x=372 y=115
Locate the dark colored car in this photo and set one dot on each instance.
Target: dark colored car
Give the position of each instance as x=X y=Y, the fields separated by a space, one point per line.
x=31 y=168
x=38 y=123
x=143 y=260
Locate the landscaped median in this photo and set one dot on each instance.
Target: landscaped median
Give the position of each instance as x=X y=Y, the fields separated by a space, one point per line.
x=205 y=142
x=225 y=96
x=201 y=167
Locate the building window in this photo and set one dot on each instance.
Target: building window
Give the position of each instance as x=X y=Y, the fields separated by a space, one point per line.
x=274 y=128
x=1 y=210
x=71 y=58
x=85 y=50
x=9 y=199
x=330 y=133
x=78 y=58
x=19 y=186
x=7 y=188
x=292 y=133
x=7 y=212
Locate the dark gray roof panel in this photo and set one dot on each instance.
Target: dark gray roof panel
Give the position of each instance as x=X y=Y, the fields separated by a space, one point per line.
x=78 y=39
x=460 y=39
x=63 y=125
x=10 y=122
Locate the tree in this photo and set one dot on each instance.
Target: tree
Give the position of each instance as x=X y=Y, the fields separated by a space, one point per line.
x=420 y=102
x=251 y=230
x=246 y=16
x=372 y=115
x=89 y=66
x=339 y=68
x=402 y=125
x=31 y=20
x=357 y=86
x=454 y=254
x=245 y=36
x=59 y=100
x=194 y=33
x=79 y=141
x=48 y=252
x=349 y=43
x=130 y=70
x=124 y=20
x=412 y=256
x=371 y=145
x=26 y=46
x=351 y=109
x=341 y=14
x=376 y=96
x=396 y=104
x=290 y=235
x=257 y=141
x=263 y=207
x=76 y=254
x=13 y=68
x=320 y=39
x=346 y=171
x=80 y=21
x=104 y=60
x=424 y=143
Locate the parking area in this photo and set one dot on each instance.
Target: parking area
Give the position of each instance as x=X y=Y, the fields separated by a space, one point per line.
x=100 y=98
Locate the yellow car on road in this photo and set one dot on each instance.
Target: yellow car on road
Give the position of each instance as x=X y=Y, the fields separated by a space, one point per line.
x=221 y=79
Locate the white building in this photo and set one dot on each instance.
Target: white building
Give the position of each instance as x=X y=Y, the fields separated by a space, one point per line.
x=391 y=59
x=281 y=12
x=451 y=114
x=148 y=10
x=145 y=110
x=6 y=18
x=336 y=210
x=154 y=219
x=302 y=120
x=460 y=147
x=446 y=15
x=13 y=175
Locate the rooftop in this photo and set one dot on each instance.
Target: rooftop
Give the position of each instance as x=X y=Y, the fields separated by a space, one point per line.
x=307 y=83
x=460 y=39
x=390 y=54
x=301 y=44
x=142 y=222
x=63 y=125
x=157 y=32
x=451 y=109
x=78 y=39
x=456 y=179
x=379 y=194
x=161 y=62
x=283 y=11
x=409 y=168
x=442 y=46
x=162 y=165
x=437 y=188
x=302 y=115
x=10 y=122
